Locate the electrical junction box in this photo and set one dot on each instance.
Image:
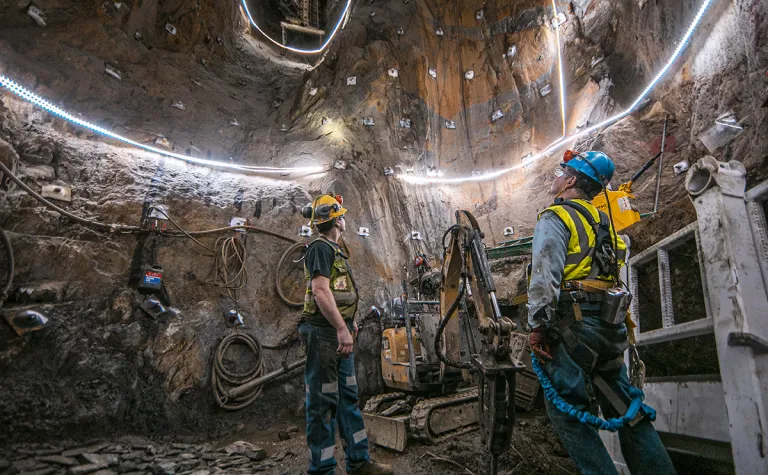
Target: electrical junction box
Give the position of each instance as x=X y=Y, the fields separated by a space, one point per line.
x=159 y=211
x=152 y=278
x=235 y=221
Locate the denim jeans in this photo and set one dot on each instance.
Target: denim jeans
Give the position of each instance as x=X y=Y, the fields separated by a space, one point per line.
x=640 y=445
x=331 y=400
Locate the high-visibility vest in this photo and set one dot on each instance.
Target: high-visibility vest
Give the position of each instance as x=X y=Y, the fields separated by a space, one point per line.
x=342 y=286
x=581 y=244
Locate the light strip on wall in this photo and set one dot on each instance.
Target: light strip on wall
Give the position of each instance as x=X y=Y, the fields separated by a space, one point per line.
x=559 y=65
x=562 y=141
x=47 y=106
x=299 y=50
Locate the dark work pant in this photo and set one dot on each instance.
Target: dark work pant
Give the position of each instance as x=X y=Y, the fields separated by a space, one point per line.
x=331 y=400
x=640 y=445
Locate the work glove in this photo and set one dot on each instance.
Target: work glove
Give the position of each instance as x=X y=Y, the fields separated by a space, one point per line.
x=540 y=343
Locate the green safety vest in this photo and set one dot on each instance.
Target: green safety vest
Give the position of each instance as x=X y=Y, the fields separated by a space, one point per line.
x=342 y=286
x=581 y=245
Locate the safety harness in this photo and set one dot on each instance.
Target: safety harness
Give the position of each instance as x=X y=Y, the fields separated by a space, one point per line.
x=603 y=252
x=591 y=293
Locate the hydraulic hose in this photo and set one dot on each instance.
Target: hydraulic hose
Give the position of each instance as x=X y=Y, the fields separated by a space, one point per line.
x=132 y=229
x=443 y=323
x=7 y=288
x=451 y=310
x=87 y=222
x=223 y=379
x=247 y=228
x=278 y=288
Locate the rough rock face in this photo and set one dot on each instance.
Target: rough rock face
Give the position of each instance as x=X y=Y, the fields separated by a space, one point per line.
x=104 y=366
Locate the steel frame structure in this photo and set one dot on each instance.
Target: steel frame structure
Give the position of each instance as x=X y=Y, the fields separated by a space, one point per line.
x=731 y=237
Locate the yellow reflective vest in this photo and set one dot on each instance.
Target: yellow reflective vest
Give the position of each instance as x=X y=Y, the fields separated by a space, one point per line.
x=581 y=244
x=342 y=286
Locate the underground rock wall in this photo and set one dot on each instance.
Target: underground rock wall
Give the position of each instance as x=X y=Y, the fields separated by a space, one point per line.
x=102 y=366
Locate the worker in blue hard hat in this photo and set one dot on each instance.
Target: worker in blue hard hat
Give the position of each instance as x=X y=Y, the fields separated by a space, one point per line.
x=577 y=310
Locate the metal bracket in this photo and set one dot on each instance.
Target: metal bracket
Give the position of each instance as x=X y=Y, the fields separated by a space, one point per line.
x=235 y=221
x=160 y=212
x=57 y=192
x=489 y=365
x=758 y=345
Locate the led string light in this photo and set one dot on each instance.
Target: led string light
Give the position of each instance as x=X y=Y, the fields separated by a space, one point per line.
x=55 y=110
x=563 y=140
x=559 y=66
x=299 y=50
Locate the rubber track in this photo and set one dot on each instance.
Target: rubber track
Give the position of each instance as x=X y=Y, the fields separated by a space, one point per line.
x=419 y=426
x=372 y=405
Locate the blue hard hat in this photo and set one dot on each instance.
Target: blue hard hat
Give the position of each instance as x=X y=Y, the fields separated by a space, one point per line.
x=595 y=165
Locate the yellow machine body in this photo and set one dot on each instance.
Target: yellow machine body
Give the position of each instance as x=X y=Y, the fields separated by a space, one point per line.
x=394 y=357
x=622 y=205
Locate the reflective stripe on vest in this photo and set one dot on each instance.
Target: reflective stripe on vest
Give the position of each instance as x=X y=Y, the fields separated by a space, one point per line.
x=581 y=244
x=341 y=282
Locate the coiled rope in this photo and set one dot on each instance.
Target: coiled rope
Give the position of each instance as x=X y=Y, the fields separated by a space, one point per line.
x=611 y=425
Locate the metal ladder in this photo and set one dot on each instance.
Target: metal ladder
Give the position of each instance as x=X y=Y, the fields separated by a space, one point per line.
x=731 y=236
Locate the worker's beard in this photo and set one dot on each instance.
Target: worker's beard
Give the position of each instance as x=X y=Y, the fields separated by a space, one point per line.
x=562 y=190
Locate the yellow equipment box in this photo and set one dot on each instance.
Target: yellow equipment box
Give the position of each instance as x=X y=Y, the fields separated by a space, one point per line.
x=622 y=207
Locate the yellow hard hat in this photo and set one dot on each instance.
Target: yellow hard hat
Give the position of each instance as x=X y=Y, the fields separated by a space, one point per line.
x=323 y=209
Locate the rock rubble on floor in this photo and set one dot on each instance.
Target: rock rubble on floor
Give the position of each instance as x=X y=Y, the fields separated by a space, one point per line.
x=110 y=459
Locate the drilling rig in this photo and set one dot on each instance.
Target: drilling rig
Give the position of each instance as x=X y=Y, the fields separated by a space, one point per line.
x=467 y=276
x=449 y=380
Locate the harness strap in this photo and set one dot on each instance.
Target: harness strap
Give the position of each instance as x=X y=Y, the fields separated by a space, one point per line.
x=614 y=399
x=600 y=229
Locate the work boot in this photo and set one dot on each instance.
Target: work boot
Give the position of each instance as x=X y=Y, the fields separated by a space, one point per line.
x=374 y=468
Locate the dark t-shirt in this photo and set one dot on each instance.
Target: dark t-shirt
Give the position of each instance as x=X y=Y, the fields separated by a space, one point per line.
x=319 y=259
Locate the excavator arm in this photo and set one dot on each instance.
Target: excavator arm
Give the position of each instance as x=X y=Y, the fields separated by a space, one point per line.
x=467 y=275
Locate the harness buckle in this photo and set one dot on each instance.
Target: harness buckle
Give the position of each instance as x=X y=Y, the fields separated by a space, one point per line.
x=579 y=296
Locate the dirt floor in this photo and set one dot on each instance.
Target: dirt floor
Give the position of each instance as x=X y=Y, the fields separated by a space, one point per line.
x=281 y=450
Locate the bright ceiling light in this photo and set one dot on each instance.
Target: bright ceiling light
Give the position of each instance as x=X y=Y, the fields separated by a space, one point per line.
x=299 y=50
x=563 y=140
x=559 y=65
x=29 y=96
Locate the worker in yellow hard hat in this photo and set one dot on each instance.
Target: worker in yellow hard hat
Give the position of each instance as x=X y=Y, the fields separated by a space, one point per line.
x=327 y=327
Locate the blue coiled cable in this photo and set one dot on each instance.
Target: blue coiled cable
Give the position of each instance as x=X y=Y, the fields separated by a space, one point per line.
x=611 y=425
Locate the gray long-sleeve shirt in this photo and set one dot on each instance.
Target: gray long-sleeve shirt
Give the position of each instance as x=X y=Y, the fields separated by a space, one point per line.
x=550 y=248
